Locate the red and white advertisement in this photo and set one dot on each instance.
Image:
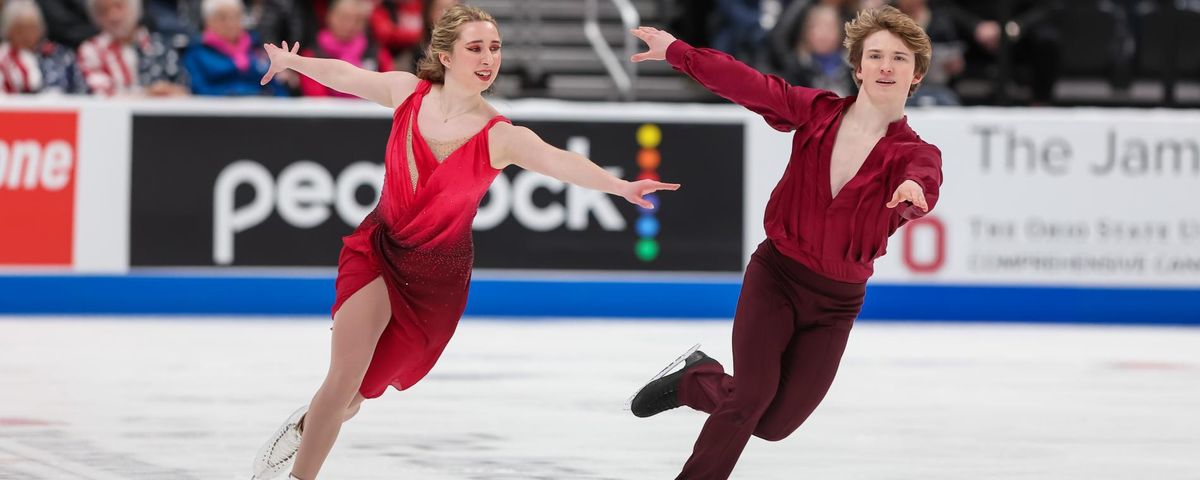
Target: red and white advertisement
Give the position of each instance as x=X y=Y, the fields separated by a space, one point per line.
x=38 y=165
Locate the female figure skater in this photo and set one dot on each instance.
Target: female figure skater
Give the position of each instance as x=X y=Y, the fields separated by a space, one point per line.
x=403 y=274
x=857 y=173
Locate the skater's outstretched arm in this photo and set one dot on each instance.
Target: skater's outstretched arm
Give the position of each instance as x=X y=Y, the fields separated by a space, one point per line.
x=919 y=182
x=785 y=107
x=512 y=145
x=385 y=88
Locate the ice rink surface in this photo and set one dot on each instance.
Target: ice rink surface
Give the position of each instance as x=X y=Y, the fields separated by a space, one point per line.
x=152 y=398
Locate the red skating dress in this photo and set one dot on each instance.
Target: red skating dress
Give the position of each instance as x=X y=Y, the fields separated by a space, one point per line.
x=419 y=240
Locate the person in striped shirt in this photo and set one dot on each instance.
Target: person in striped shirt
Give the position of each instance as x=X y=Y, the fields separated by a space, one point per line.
x=125 y=58
x=30 y=64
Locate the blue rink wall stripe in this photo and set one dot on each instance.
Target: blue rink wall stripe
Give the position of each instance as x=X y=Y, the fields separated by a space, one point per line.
x=313 y=295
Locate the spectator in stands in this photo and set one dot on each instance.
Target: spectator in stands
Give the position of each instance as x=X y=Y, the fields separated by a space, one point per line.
x=433 y=11
x=178 y=21
x=781 y=40
x=28 y=62
x=280 y=20
x=818 y=59
x=345 y=38
x=739 y=30
x=67 y=21
x=276 y=21
x=398 y=28
x=125 y=58
x=1026 y=29
x=227 y=59
x=947 y=62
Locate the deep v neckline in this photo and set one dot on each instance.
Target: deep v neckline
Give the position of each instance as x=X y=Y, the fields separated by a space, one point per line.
x=841 y=120
x=416 y=126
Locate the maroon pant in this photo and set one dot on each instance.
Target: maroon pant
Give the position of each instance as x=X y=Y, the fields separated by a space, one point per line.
x=789 y=332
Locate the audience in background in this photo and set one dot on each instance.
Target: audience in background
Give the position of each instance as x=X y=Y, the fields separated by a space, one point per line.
x=432 y=10
x=739 y=30
x=345 y=37
x=116 y=51
x=277 y=20
x=28 y=62
x=227 y=60
x=789 y=27
x=947 y=62
x=125 y=58
x=178 y=21
x=1026 y=26
x=398 y=28
x=67 y=21
x=818 y=59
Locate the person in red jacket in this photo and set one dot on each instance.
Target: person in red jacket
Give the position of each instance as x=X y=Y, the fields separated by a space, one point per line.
x=857 y=173
x=398 y=27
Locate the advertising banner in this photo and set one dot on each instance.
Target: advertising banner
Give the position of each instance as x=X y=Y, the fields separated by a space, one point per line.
x=250 y=191
x=38 y=164
x=1048 y=198
x=281 y=191
x=532 y=221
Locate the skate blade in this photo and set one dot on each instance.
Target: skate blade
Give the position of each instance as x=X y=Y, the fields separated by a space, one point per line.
x=662 y=373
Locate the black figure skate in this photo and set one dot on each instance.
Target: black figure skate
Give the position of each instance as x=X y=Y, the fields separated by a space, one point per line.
x=661 y=393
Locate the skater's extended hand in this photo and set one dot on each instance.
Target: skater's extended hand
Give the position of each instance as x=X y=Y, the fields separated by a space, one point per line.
x=656 y=39
x=280 y=57
x=635 y=192
x=911 y=192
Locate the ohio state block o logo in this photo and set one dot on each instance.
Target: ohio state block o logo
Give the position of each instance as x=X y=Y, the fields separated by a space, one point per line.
x=925 y=265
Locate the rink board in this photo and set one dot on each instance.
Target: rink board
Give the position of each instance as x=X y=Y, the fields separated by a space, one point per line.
x=1064 y=215
x=523 y=299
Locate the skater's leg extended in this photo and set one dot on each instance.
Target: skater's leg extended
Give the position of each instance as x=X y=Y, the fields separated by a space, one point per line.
x=823 y=322
x=808 y=370
x=762 y=328
x=356 y=329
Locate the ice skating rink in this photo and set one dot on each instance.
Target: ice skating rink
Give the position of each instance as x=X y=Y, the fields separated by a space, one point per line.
x=148 y=398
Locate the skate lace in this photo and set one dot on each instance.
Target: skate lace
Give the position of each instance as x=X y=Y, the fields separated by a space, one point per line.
x=282 y=461
x=274 y=445
x=666 y=401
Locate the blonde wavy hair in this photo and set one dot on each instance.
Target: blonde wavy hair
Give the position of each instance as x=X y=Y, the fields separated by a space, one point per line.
x=888 y=18
x=445 y=33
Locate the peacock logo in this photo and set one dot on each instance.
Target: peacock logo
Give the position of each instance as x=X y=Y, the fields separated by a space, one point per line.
x=649 y=136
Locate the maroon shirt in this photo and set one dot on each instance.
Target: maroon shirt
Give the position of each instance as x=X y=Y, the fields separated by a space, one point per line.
x=838 y=237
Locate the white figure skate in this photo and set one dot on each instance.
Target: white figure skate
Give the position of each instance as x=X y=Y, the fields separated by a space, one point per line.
x=277 y=455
